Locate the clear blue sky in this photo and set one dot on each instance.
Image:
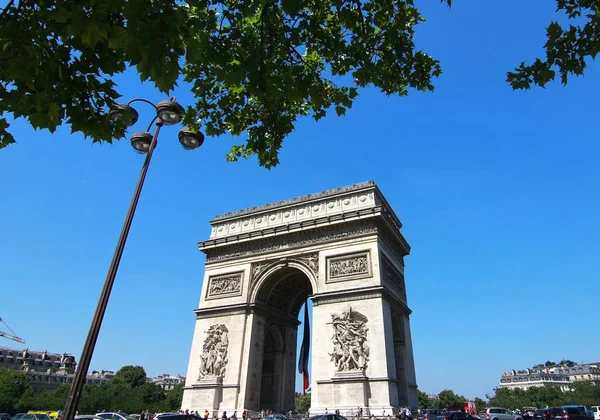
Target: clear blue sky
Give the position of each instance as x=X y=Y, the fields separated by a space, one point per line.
x=498 y=192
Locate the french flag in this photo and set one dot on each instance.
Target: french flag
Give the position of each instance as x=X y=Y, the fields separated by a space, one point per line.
x=303 y=360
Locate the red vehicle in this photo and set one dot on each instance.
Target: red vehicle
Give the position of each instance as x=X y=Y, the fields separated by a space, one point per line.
x=466 y=407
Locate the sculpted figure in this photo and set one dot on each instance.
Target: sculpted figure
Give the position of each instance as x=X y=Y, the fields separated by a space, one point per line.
x=213 y=359
x=350 y=350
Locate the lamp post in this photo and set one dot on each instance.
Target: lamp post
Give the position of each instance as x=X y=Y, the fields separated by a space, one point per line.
x=167 y=113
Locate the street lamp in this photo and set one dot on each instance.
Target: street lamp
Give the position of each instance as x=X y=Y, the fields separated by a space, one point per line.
x=167 y=113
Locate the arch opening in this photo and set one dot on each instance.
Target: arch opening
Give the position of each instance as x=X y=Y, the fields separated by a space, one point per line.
x=279 y=299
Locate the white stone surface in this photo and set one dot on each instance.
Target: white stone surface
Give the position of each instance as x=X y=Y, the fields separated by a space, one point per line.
x=351 y=283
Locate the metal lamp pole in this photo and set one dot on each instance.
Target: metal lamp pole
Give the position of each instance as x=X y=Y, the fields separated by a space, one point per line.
x=168 y=112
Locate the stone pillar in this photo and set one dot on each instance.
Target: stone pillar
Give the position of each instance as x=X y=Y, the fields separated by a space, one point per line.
x=411 y=379
x=372 y=388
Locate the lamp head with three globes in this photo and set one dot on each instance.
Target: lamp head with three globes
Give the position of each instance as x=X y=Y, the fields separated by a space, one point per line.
x=168 y=113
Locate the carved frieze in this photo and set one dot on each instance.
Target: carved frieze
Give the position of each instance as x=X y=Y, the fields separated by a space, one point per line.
x=392 y=277
x=279 y=243
x=213 y=360
x=349 y=266
x=350 y=348
x=225 y=285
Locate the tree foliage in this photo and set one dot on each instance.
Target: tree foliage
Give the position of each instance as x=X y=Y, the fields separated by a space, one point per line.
x=13 y=385
x=424 y=400
x=254 y=66
x=174 y=397
x=134 y=376
x=584 y=393
x=124 y=392
x=567 y=49
x=480 y=403
x=302 y=403
x=448 y=397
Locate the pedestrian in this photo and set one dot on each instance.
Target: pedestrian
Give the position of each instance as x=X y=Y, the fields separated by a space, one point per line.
x=205 y=414
x=224 y=416
x=143 y=415
x=234 y=415
x=408 y=413
x=244 y=414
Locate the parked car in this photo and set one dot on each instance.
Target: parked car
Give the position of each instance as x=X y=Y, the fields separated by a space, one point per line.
x=589 y=413
x=18 y=416
x=571 y=413
x=528 y=413
x=176 y=416
x=456 y=415
x=430 y=414
x=88 y=417
x=34 y=417
x=328 y=417
x=542 y=414
x=596 y=410
x=499 y=413
x=4 y=416
x=114 y=416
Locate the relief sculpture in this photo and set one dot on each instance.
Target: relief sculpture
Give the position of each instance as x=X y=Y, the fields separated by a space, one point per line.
x=213 y=360
x=349 y=266
x=225 y=285
x=350 y=349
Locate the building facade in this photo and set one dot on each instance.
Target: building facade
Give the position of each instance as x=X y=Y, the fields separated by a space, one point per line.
x=167 y=382
x=557 y=376
x=46 y=370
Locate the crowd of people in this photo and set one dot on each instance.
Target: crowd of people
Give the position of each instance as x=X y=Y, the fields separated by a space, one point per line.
x=404 y=413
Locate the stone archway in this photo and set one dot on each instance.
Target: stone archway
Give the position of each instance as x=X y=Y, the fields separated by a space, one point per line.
x=344 y=249
x=278 y=300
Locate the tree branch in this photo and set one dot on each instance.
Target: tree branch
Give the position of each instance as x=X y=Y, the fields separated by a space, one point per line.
x=7 y=7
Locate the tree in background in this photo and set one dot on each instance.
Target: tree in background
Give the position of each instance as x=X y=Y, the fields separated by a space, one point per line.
x=254 y=66
x=302 y=403
x=585 y=393
x=134 y=376
x=13 y=385
x=125 y=392
x=424 y=400
x=174 y=397
x=480 y=404
x=448 y=397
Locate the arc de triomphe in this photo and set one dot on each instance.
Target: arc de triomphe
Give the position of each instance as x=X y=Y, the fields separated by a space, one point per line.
x=343 y=248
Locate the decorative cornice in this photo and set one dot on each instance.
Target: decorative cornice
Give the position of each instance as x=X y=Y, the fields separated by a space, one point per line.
x=245 y=309
x=303 y=213
x=304 y=198
x=237 y=309
x=348 y=295
x=300 y=239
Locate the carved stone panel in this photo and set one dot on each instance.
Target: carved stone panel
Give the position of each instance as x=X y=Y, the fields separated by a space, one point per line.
x=225 y=285
x=349 y=267
x=350 y=348
x=310 y=260
x=213 y=360
x=392 y=277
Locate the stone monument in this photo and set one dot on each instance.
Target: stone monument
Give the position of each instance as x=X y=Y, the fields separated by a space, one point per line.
x=343 y=249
